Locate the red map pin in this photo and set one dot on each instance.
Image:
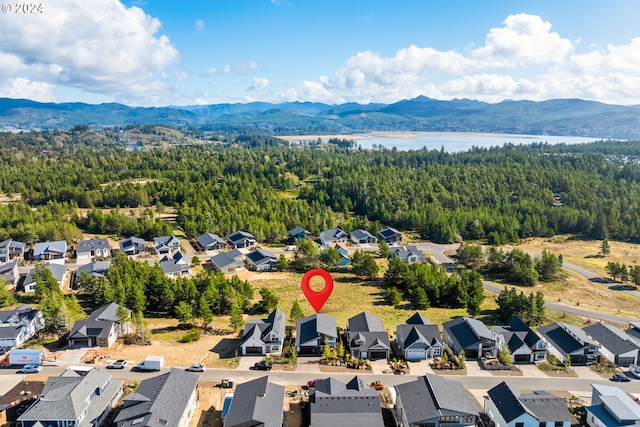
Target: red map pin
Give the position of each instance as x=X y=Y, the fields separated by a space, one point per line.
x=317 y=299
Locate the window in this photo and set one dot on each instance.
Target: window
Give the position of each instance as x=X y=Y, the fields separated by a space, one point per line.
x=542 y=424
x=454 y=419
x=424 y=425
x=559 y=424
x=519 y=424
x=466 y=419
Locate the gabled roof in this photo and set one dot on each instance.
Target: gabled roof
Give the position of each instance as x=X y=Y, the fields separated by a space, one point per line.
x=207 y=239
x=164 y=397
x=131 y=242
x=260 y=328
x=418 y=319
x=369 y=339
x=239 y=236
x=410 y=334
x=404 y=252
x=108 y=312
x=353 y=404
x=513 y=339
x=169 y=266
x=557 y=336
x=617 y=402
x=611 y=338
x=58 y=272
x=162 y=242
x=223 y=259
x=427 y=397
x=10 y=243
x=365 y=322
x=8 y=267
x=261 y=256
x=544 y=406
x=507 y=402
x=256 y=403
x=42 y=248
x=385 y=233
x=360 y=234
x=297 y=231
x=517 y=325
x=332 y=234
x=466 y=332
x=94 y=268
x=310 y=328
x=92 y=244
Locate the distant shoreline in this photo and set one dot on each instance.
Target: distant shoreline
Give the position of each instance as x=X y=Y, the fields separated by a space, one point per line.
x=402 y=135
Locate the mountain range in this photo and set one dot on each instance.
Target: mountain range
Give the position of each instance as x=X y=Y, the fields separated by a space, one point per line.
x=564 y=117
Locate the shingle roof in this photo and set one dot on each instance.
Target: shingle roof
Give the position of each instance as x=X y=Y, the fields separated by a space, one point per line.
x=426 y=397
x=57 y=271
x=410 y=334
x=163 y=242
x=260 y=256
x=297 y=231
x=15 y=315
x=385 y=233
x=92 y=244
x=169 y=266
x=207 y=239
x=365 y=322
x=239 y=236
x=544 y=406
x=256 y=403
x=310 y=328
x=611 y=338
x=353 y=404
x=332 y=235
x=418 y=319
x=164 y=397
x=95 y=268
x=260 y=328
x=560 y=338
x=129 y=243
x=8 y=267
x=466 y=332
x=360 y=234
x=223 y=259
x=107 y=312
x=371 y=339
x=41 y=248
x=517 y=324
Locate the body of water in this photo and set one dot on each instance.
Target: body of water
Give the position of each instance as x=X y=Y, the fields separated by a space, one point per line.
x=456 y=142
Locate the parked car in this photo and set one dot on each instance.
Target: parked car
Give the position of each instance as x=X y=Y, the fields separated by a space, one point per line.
x=312 y=383
x=262 y=366
x=196 y=368
x=377 y=385
x=118 y=364
x=621 y=378
x=31 y=369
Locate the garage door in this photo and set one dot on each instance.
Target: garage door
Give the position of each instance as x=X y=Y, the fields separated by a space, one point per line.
x=414 y=354
x=522 y=358
x=624 y=361
x=307 y=350
x=253 y=350
x=375 y=355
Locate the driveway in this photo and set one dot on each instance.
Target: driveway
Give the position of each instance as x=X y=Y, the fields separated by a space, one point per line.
x=532 y=371
x=247 y=362
x=73 y=356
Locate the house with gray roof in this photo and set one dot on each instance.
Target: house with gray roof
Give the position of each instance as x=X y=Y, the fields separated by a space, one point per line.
x=43 y=251
x=407 y=254
x=390 y=235
x=363 y=237
x=299 y=233
x=615 y=345
x=313 y=332
x=211 y=242
x=261 y=260
x=10 y=249
x=564 y=340
x=166 y=245
x=469 y=335
x=10 y=274
x=101 y=328
x=523 y=343
x=169 y=399
x=419 y=339
x=19 y=324
x=634 y=331
x=432 y=400
x=93 y=248
x=242 y=240
x=256 y=403
x=58 y=271
x=74 y=400
x=507 y=407
x=133 y=246
x=175 y=266
x=354 y=404
x=332 y=236
x=367 y=337
x=94 y=269
x=264 y=336
x=228 y=262
x=611 y=407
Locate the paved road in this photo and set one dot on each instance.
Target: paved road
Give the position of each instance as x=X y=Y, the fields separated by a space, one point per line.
x=595 y=278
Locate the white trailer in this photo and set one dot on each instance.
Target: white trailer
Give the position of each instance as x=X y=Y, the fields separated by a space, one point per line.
x=26 y=357
x=151 y=363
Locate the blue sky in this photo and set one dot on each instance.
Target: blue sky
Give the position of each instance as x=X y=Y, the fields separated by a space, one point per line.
x=157 y=52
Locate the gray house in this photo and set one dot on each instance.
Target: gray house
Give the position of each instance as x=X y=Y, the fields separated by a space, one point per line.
x=615 y=345
x=367 y=337
x=299 y=233
x=564 y=340
x=50 y=250
x=175 y=266
x=19 y=324
x=133 y=246
x=363 y=237
x=98 y=248
x=333 y=235
x=408 y=254
x=211 y=242
x=74 y=400
x=166 y=245
x=390 y=235
x=434 y=401
x=611 y=407
x=418 y=339
x=354 y=404
x=10 y=249
x=101 y=328
x=264 y=336
x=469 y=335
x=256 y=403
x=10 y=274
x=313 y=332
x=228 y=262
x=94 y=269
x=523 y=343
x=242 y=240
x=58 y=271
x=169 y=399
x=261 y=260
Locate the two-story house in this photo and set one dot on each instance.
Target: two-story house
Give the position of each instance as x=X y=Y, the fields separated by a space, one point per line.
x=354 y=404
x=9 y=274
x=43 y=251
x=133 y=246
x=93 y=248
x=523 y=343
x=333 y=235
x=242 y=240
x=611 y=407
x=19 y=324
x=418 y=339
x=101 y=328
x=298 y=233
x=58 y=271
x=166 y=245
x=616 y=346
x=314 y=332
x=367 y=337
x=264 y=336
x=564 y=340
x=10 y=249
x=471 y=336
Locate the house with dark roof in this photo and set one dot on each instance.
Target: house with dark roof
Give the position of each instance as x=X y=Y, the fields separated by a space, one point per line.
x=432 y=400
x=564 y=340
x=408 y=254
x=418 y=339
x=363 y=237
x=469 y=335
x=211 y=242
x=261 y=260
x=367 y=337
x=615 y=345
x=133 y=246
x=390 y=235
x=264 y=336
x=94 y=269
x=166 y=245
x=611 y=407
x=93 y=248
x=256 y=403
x=10 y=274
x=19 y=324
x=242 y=240
x=43 y=251
x=633 y=331
x=10 y=249
x=354 y=404
x=169 y=399
x=523 y=343
x=58 y=271
x=175 y=266
x=101 y=328
x=74 y=400
x=507 y=407
x=298 y=233
x=313 y=332
x=17 y=400
x=332 y=236
x=228 y=262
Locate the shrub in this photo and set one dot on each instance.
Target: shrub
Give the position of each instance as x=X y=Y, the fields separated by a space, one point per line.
x=192 y=336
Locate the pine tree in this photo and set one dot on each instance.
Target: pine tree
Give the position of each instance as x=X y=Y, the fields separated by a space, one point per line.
x=605 y=249
x=296 y=312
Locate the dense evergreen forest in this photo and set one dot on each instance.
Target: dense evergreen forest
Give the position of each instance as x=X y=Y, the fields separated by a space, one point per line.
x=264 y=186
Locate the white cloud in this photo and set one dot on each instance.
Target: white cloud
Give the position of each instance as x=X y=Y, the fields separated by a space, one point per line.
x=226 y=69
x=93 y=45
x=27 y=89
x=259 y=84
x=200 y=26
x=211 y=71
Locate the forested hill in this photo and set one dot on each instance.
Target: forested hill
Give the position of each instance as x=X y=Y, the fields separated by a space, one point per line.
x=266 y=187
x=554 y=117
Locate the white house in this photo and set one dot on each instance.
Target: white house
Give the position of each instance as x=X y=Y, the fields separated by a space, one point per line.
x=19 y=324
x=611 y=407
x=93 y=248
x=264 y=336
x=523 y=343
x=59 y=272
x=615 y=345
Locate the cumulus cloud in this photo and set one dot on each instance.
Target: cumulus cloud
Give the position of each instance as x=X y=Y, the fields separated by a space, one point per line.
x=200 y=25
x=259 y=84
x=27 y=89
x=94 y=45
